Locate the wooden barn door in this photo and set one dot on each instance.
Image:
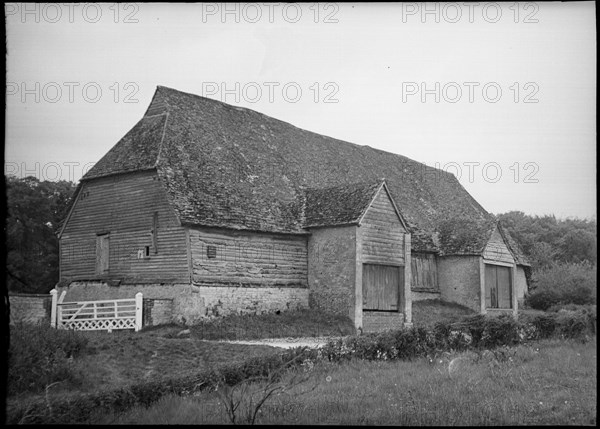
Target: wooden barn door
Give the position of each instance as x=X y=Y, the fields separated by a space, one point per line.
x=498 y=287
x=102 y=253
x=382 y=287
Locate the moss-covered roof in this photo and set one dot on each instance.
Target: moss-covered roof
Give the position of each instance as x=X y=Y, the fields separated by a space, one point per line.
x=338 y=205
x=233 y=167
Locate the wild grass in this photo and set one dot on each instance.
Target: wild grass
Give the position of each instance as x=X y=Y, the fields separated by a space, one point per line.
x=426 y=313
x=88 y=361
x=296 y=323
x=548 y=382
x=40 y=356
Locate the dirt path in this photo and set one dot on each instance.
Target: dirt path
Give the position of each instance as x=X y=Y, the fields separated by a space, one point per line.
x=287 y=343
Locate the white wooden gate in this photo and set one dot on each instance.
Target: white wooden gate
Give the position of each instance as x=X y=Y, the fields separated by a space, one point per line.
x=96 y=315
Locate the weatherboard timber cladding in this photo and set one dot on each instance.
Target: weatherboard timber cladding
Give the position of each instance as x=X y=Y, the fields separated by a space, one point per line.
x=382 y=233
x=223 y=257
x=424 y=272
x=496 y=249
x=125 y=207
x=384 y=247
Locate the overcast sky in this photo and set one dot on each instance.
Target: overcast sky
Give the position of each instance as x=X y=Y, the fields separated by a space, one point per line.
x=501 y=95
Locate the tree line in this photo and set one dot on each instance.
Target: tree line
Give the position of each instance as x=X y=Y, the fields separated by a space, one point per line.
x=547 y=241
x=36 y=210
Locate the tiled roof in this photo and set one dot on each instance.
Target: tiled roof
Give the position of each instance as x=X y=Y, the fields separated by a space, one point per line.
x=338 y=205
x=233 y=167
x=513 y=246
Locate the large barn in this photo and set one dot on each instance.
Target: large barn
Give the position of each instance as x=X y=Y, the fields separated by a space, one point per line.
x=224 y=209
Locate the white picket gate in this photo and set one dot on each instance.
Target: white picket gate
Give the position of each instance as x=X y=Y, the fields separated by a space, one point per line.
x=96 y=315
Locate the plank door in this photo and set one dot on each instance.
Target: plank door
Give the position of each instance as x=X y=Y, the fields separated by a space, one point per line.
x=102 y=253
x=382 y=287
x=498 y=287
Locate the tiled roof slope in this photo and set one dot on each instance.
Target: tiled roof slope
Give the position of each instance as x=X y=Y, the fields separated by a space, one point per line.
x=513 y=246
x=138 y=150
x=338 y=205
x=233 y=167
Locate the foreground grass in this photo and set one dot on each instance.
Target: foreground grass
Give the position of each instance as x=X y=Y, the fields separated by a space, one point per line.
x=294 y=324
x=550 y=382
x=122 y=358
x=428 y=312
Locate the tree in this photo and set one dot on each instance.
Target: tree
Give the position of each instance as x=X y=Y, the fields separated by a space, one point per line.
x=35 y=212
x=547 y=240
x=578 y=245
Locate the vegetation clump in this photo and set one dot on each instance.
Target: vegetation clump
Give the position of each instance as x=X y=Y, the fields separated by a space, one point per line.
x=40 y=355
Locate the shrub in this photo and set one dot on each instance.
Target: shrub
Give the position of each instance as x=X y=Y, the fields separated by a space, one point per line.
x=542 y=299
x=563 y=284
x=40 y=355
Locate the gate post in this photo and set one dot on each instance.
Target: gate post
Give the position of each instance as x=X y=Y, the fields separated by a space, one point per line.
x=54 y=294
x=138 y=311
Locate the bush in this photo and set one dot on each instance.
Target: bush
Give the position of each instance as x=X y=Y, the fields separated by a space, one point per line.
x=567 y=283
x=40 y=355
x=542 y=299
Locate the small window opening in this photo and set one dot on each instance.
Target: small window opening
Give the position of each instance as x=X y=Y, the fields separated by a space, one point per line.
x=211 y=252
x=147 y=251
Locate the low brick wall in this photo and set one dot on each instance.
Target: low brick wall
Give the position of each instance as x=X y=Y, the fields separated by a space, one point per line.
x=30 y=308
x=157 y=311
x=376 y=321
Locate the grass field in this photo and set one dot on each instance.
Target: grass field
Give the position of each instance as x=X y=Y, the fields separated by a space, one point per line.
x=556 y=384
x=550 y=382
x=427 y=312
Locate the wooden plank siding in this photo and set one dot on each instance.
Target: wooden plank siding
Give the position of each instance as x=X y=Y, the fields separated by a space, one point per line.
x=133 y=210
x=382 y=233
x=249 y=259
x=382 y=256
x=424 y=271
x=498 y=287
x=496 y=249
x=382 y=287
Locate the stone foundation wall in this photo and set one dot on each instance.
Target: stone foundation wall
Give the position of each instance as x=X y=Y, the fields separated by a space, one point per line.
x=30 y=308
x=520 y=285
x=332 y=269
x=222 y=301
x=377 y=321
x=422 y=295
x=157 y=311
x=459 y=280
x=190 y=303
